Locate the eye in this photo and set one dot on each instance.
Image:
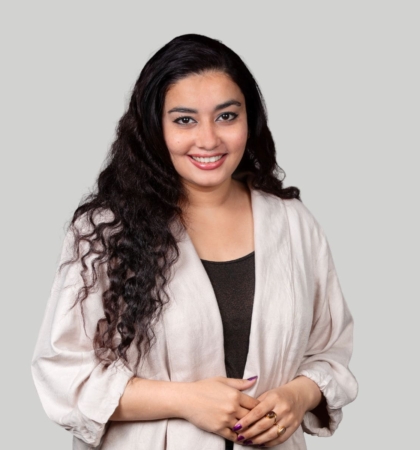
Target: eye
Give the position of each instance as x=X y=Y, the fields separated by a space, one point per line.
x=185 y=120
x=227 y=116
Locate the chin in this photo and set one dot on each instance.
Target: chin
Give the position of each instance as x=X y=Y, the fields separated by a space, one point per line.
x=207 y=183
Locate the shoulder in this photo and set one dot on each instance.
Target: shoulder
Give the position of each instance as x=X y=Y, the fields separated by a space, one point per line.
x=296 y=210
x=88 y=221
x=304 y=229
x=86 y=229
x=93 y=223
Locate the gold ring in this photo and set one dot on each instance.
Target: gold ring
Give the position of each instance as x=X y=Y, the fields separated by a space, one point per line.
x=280 y=430
x=271 y=415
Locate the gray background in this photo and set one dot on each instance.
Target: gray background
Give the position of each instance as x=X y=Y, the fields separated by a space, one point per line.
x=341 y=81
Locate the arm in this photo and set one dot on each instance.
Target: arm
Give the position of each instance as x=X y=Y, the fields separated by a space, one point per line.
x=207 y=403
x=330 y=345
x=76 y=391
x=323 y=383
x=82 y=395
x=150 y=400
x=290 y=402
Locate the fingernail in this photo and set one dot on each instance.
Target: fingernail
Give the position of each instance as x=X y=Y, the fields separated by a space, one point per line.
x=240 y=438
x=252 y=378
x=248 y=442
x=237 y=427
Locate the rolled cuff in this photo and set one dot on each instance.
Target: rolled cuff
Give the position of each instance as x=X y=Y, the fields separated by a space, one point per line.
x=312 y=424
x=99 y=397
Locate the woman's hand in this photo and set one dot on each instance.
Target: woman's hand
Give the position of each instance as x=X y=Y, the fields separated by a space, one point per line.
x=216 y=404
x=290 y=403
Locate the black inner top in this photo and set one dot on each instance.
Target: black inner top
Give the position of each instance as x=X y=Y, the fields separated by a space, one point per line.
x=234 y=285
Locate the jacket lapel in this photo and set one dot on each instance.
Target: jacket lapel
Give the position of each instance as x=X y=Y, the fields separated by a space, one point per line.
x=193 y=324
x=273 y=309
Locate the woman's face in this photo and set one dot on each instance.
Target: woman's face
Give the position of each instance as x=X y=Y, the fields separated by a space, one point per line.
x=205 y=128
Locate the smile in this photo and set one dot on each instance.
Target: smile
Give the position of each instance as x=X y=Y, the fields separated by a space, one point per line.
x=208 y=162
x=210 y=159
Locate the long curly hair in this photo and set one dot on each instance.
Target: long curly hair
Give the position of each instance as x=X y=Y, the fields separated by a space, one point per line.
x=139 y=194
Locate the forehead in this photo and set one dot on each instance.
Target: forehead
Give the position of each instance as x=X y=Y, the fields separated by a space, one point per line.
x=208 y=88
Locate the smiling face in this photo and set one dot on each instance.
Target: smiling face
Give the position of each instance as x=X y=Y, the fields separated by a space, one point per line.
x=205 y=128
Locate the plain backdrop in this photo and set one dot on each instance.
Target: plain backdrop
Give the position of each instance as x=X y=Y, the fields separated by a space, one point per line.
x=341 y=83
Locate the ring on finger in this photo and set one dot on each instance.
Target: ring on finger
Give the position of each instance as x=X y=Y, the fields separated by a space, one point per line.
x=272 y=415
x=280 y=430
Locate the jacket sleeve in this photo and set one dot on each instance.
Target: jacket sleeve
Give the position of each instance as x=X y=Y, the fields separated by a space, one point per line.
x=330 y=343
x=76 y=391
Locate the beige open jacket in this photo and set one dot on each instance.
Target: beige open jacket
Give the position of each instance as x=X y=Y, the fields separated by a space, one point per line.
x=301 y=325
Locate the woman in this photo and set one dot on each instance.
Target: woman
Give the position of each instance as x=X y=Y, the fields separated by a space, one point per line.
x=197 y=303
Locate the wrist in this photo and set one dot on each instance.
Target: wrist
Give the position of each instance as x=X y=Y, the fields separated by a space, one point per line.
x=176 y=396
x=145 y=399
x=308 y=392
x=180 y=398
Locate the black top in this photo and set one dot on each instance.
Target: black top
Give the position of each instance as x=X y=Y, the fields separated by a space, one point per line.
x=234 y=284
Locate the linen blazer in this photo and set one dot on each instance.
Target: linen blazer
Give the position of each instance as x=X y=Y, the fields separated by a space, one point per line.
x=301 y=325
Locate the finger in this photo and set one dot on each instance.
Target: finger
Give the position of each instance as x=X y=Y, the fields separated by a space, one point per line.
x=229 y=434
x=271 y=437
x=267 y=437
x=258 y=412
x=256 y=429
x=239 y=383
x=262 y=396
x=241 y=412
x=248 y=402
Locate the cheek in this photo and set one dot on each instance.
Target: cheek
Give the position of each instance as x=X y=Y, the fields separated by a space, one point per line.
x=176 y=150
x=238 y=141
x=174 y=142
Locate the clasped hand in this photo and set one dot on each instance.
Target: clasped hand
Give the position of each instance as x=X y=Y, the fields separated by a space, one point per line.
x=219 y=406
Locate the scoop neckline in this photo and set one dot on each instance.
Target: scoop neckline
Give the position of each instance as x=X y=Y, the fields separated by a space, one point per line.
x=230 y=261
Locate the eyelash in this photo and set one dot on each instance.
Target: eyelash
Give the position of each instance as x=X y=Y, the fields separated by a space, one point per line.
x=234 y=116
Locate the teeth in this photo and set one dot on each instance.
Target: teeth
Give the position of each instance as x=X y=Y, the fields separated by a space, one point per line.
x=206 y=160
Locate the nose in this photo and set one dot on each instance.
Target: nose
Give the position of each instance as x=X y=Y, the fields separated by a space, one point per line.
x=207 y=137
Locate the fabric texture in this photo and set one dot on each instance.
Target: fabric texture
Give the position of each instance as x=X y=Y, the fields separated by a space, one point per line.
x=234 y=286
x=301 y=325
x=233 y=283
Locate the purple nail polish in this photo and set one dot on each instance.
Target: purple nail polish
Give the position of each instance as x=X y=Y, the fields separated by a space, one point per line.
x=248 y=442
x=237 y=427
x=240 y=438
x=252 y=378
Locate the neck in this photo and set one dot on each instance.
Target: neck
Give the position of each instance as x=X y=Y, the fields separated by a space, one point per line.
x=203 y=197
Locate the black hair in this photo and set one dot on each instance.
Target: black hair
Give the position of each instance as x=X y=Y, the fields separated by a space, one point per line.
x=141 y=194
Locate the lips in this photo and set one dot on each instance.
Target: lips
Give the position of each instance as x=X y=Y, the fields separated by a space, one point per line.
x=208 y=162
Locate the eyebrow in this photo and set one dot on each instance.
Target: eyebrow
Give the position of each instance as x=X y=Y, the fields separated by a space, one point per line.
x=182 y=109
